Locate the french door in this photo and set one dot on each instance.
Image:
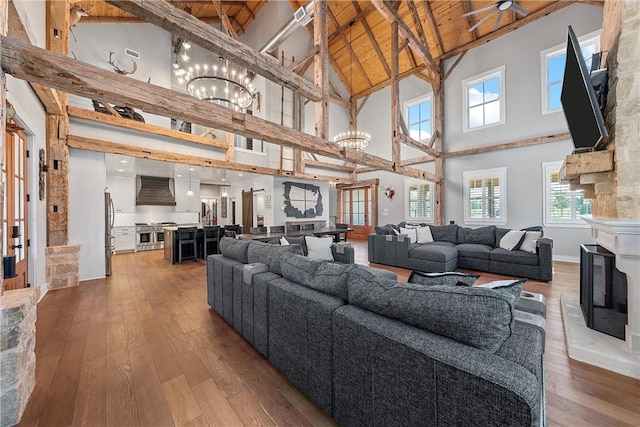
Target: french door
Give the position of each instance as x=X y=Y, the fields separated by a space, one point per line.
x=14 y=221
x=358 y=205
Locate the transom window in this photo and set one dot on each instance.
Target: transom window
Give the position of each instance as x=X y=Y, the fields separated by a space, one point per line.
x=485 y=193
x=553 y=61
x=419 y=115
x=561 y=204
x=484 y=103
x=419 y=200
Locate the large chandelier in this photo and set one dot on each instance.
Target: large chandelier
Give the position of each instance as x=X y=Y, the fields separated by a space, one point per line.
x=353 y=139
x=219 y=81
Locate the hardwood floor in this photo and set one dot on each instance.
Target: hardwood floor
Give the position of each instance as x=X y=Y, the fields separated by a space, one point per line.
x=143 y=348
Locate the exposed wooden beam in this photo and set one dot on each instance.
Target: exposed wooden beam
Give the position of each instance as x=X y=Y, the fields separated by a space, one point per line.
x=226 y=23
x=395 y=95
x=508 y=145
x=27 y=62
x=336 y=69
x=110 y=109
x=97 y=117
x=181 y=24
x=209 y=20
x=415 y=161
x=92 y=144
x=361 y=15
x=16 y=29
x=331 y=166
x=410 y=56
x=365 y=170
x=249 y=11
x=434 y=26
x=471 y=20
x=362 y=104
x=415 y=17
x=352 y=55
x=305 y=58
x=533 y=16
x=321 y=68
x=372 y=38
x=406 y=139
x=391 y=15
x=336 y=99
x=387 y=82
x=455 y=64
x=582 y=163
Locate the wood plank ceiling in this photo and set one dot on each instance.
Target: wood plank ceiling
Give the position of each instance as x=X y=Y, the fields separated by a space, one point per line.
x=360 y=36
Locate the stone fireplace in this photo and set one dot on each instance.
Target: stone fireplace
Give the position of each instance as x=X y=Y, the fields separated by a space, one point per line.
x=615 y=194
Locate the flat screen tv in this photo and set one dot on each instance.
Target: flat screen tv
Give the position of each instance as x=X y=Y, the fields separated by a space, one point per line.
x=579 y=102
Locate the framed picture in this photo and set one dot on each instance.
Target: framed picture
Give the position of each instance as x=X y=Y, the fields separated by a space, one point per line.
x=302 y=200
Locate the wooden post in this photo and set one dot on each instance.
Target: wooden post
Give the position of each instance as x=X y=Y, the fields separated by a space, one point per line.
x=321 y=67
x=57 y=129
x=395 y=93
x=438 y=127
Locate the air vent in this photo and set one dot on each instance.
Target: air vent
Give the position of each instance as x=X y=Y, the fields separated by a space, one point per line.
x=131 y=53
x=301 y=16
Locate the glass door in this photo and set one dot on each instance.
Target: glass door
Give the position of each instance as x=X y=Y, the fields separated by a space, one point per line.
x=357 y=206
x=14 y=223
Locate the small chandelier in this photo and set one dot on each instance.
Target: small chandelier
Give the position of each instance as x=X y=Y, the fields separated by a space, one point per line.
x=353 y=139
x=220 y=82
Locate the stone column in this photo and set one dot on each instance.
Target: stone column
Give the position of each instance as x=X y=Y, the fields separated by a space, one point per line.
x=17 y=352
x=63 y=263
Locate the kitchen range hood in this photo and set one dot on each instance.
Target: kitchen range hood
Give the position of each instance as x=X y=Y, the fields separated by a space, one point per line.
x=155 y=191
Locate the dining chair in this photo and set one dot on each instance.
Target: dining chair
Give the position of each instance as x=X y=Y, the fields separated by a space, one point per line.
x=293 y=227
x=339 y=237
x=257 y=230
x=308 y=226
x=276 y=229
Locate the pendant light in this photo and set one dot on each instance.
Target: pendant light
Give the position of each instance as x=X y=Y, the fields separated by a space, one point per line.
x=190 y=191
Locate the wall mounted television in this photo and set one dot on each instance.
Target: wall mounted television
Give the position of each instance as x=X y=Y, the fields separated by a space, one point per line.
x=579 y=101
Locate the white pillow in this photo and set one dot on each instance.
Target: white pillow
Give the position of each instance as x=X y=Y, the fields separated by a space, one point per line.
x=319 y=248
x=424 y=235
x=284 y=242
x=411 y=232
x=510 y=240
x=530 y=241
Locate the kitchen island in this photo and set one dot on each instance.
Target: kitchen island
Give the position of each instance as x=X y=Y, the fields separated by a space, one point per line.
x=171 y=242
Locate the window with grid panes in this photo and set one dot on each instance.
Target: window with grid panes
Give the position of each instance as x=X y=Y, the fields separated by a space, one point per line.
x=562 y=205
x=418 y=113
x=419 y=200
x=485 y=196
x=484 y=99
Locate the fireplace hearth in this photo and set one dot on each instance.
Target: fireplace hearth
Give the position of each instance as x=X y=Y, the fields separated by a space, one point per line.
x=603 y=291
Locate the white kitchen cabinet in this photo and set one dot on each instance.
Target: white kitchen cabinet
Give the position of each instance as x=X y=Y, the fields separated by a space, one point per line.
x=184 y=202
x=123 y=192
x=124 y=239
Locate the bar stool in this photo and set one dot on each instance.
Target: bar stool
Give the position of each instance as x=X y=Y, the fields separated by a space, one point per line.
x=211 y=235
x=308 y=226
x=186 y=240
x=276 y=229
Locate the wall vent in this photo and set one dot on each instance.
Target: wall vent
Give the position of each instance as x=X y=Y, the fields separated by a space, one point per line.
x=131 y=53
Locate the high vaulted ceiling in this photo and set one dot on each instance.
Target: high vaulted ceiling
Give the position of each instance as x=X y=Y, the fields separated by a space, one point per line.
x=360 y=36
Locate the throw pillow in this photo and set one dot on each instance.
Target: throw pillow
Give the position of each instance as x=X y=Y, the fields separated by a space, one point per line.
x=424 y=235
x=270 y=254
x=295 y=241
x=445 y=233
x=319 y=248
x=410 y=232
x=452 y=278
x=530 y=241
x=512 y=239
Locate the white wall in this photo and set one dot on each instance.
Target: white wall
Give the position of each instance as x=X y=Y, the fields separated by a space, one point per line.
x=87 y=182
x=33 y=16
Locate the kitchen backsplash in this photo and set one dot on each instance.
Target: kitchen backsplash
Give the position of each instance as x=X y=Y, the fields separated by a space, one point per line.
x=150 y=214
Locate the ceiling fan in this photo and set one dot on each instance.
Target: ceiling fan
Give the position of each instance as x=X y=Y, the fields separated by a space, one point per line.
x=500 y=6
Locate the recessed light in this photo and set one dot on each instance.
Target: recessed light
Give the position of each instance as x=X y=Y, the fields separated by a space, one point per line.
x=224 y=179
x=120 y=170
x=179 y=176
x=239 y=174
x=191 y=169
x=123 y=161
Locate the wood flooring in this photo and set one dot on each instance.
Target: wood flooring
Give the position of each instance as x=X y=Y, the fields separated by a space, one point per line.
x=143 y=348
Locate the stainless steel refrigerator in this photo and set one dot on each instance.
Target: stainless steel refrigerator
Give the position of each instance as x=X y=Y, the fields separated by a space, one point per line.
x=109 y=214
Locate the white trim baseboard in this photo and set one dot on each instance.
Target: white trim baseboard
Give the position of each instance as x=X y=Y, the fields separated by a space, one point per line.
x=562 y=258
x=43 y=291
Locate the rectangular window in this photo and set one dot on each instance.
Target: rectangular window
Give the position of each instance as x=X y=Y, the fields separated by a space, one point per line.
x=484 y=100
x=553 y=60
x=561 y=204
x=419 y=116
x=419 y=200
x=485 y=196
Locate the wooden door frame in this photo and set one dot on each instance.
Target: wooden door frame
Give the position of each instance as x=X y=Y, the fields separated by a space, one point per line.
x=371 y=183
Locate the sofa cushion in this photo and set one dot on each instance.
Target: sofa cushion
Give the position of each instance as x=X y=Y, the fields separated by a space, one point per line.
x=480 y=317
x=511 y=240
x=500 y=232
x=530 y=242
x=424 y=235
x=332 y=278
x=299 y=269
x=481 y=236
x=290 y=240
x=472 y=250
x=437 y=253
x=452 y=278
x=410 y=232
x=270 y=254
x=387 y=229
x=319 y=248
x=514 y=257
x=446 y=233
x=235 y=248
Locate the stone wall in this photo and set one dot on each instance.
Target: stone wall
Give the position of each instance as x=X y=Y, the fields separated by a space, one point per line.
x=17 y=352
x=617 y=195
x=63 y=265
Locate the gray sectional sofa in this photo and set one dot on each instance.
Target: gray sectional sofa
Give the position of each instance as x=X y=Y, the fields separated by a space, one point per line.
x=371 y=351
x=459 y=247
